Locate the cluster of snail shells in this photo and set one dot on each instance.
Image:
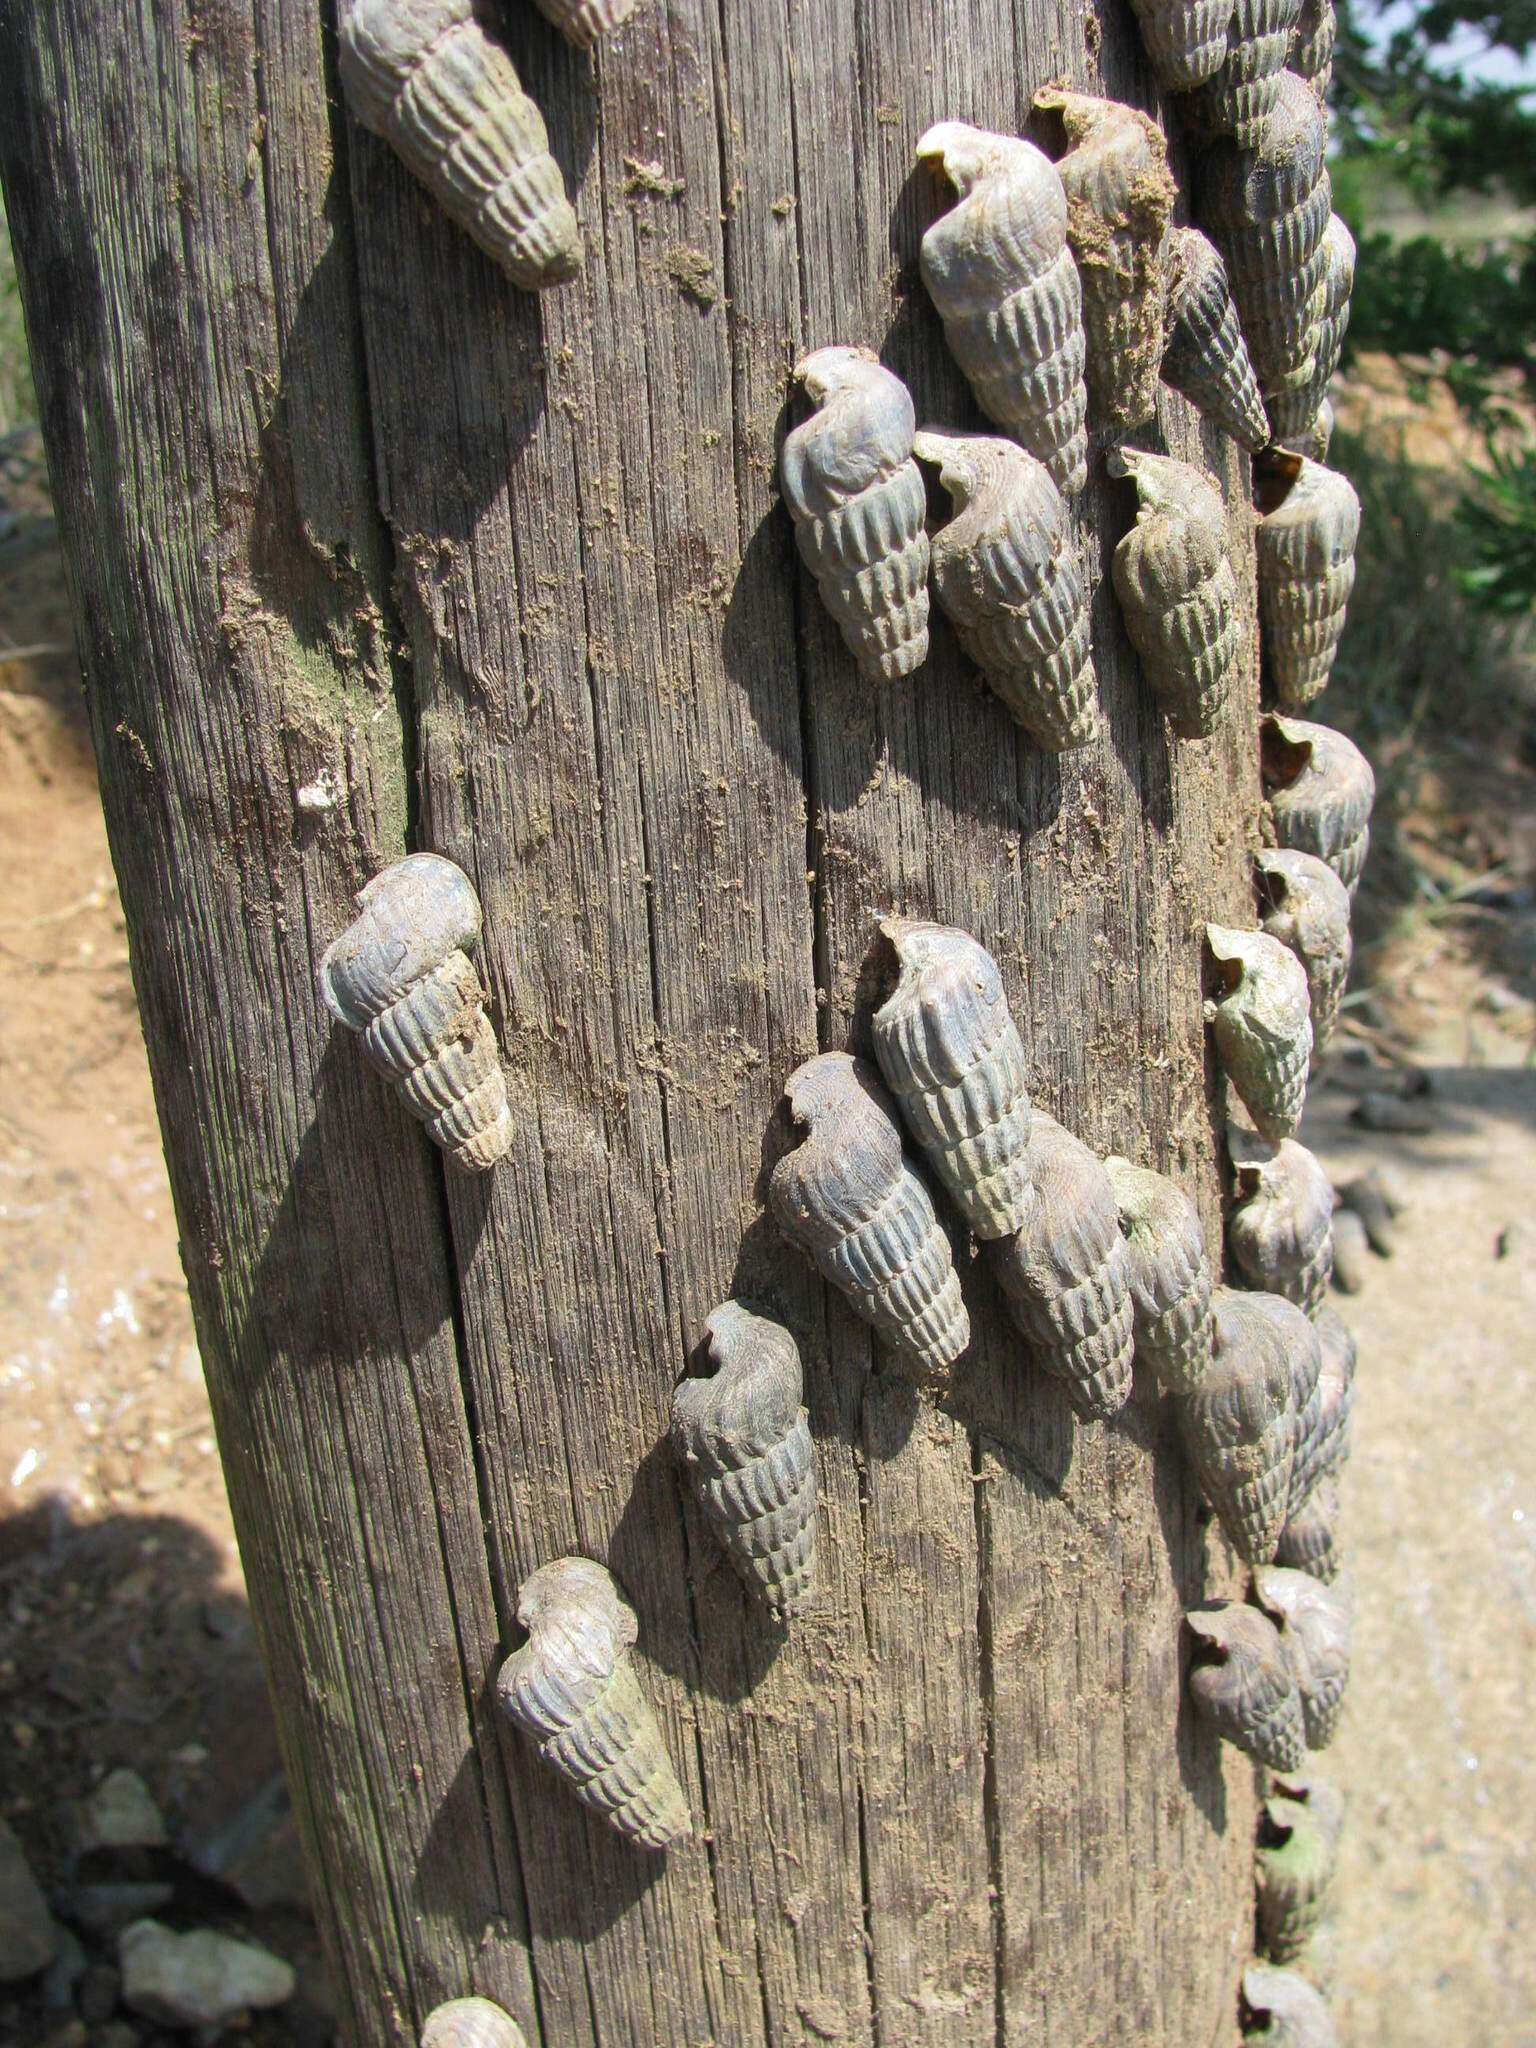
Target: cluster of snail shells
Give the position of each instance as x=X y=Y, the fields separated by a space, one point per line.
x=1271 y=1678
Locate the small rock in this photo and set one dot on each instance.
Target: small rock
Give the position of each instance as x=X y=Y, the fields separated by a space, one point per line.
x=1366 y=1196
x=28 y=1941
x=1351 y=1252
x=100 y=1989
x=197 y=1980
x=64 y=1972
x=1376 y=1111
x=120 y=1814
x=106 y=1909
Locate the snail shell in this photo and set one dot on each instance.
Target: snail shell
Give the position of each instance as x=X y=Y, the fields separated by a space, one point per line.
x=585 y=22
x=1238 y=1425
x=745 y=1439
x=399 y=975
x=1243 y=1685
x=1321 y=1798
x=1011 y=580
x=1206 y=356
x=1314 y=444
x=859 y=506
x=998 y=268
x=1326 y=1447
x=1309 y=1542
x=424 y=75
x=848 y=1198
x=1294 y=2012
x=472 y=2023
x=1320 y=790
x=1305 y=906
x=951 y=1054
x=1306 y=569
x=1295 y=1863
x=1312 y=46
x=1241 y=93
x=1315 y=1627
x=1185 y=40
x=1066 y=1274
x=1263 y=1025
x=572 y=1690
x=1170 y=1275
x=1304 y=1362
x=1178 y=594
x=1293 y=411
x=1120 y=196
x=1281 y=1232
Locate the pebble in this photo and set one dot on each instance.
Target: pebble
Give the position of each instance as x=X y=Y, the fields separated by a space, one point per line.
x=1367 y=1197
x=28 y=1940
x=64 y=1972
x=100 y=1989
x=256 y=1852
x=120 y=1814
x=1376 y=1111
x=199 y=1981
x=106 y=1909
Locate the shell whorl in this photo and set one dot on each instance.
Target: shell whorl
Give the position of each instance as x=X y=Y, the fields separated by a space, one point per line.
x=1293 y=411
x=1319 y=789
x=1011 y=581
x=1305 y=550
x=998 y=268
x=745 y=1440
x=951 y=1054
x=1294 y=1867
x=1238 y=1425
x=1304 y=1364
x=1170 y=1275
x=585 y=22
x=1244 y=1686
x=1315 y=1625
x=1336 y=1399
x=572 y=1690
x=1205 y=355
x=1281 y=1231
x=1185 y=40
x=1313 y=44
x=1309 y=1542
x=1178 y=594
x=1239 y=96
x=426 y=77
x=1305 y=906
x=1294 y=2013
x=1262 y=1021
x=848 y=1198
x=471 y=2023
x=859 y=507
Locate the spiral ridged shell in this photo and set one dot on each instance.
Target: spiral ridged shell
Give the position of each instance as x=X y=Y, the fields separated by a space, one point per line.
x=1243 y=1685
x=1336 y=1398
x=998 y=268
x=848 y=1198
x=585 y=22
x=1185 y=40
x=1309 y=1542
x=1304 y=1364
x=745 y=1439
x=1238 y=1426
x=1120 y=196
x=1066 y=1274
x=1293 y=411
x=1315 y=1626
x=1320 y=790
x=1012 y=583
x=1319 y=1796
x=1281 y=1231
x=1304 y=905
x=1294 y=2014
x=1262 y=1021
x=1241 y=93
x=399 y=975
x=1206 y=356
x=1177 y=591
x=1306 y=569
x=1170 y=1275
x=1295 y=1863
x=425 y=76
x=1312 y=46
x=1318 y=438
x=472 y=2023
x=572 y=1690
x=859 y=506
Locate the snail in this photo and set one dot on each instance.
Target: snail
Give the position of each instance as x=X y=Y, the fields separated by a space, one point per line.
x=1185 y=40
x=1305 y=547
x=1325 y=1448
x=1295 y=1861
x=1294 y=411
x=1242 y=1684
x=471 y=2023
x=1312 y=46
x=1314 y=1623
x=1238 y=1424
x=1309 y=1542
x=1315 y=442
x=425 y=76
x=1281 y=1232
x=400 y=975
x=1262 y=1021
x=1238 y=97
x=1319 y=790
x=859 y=505
x=1178 y=594
x=1170 y=1275
x=1205 y=355
x=1304 y=905
x=1304 y=1365
x=1294 y=2013
x=585 y=22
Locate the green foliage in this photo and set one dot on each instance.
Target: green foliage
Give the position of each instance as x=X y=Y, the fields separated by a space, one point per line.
x=1418 y=297
x=1497 y=521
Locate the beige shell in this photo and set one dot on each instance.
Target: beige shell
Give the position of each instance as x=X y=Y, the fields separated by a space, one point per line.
x=1262 y=1021
x=1325 y=1448
x=1120 y=196
x=860 y=505
x=1316 y=1626
x=424 y=75
x=472 y=2023
x=745 y=1439
x=1306 y=568
x=951 y=1054
x=1313 y=45
x=585 y=22
x=1294 y=2013
x=1177 y=591
x=1319 y=1961
x=848 y=1198
x=1011 y=580
x=1240 y=94
x=1309 y=1542
x=998 y=268
x=572 y=1690
x=1281 y=1231
x=1294 y=411
x=1294 y=1867
x=1304 y=905
x=1205 y=355
x=399 y=974
x=1244 y=1686
x=1170 y=1275
x=1185 y=40
x=1066 y=1274
x=1320 y=1796
x=1320 y=790
x=1238 y=1426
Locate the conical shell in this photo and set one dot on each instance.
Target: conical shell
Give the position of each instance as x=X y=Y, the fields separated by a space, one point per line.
x=998 y=268
x=1206 y=356
x=1293 y=411
x=1243 y=1685
x=1281 y=1231
x=572 y=1690
x=848 y=1198
x=1295 y=1863
x=951 y=1055
x=1011 y=581
x=1241 y=93
x=859 y=506
x=399 y=975
x=1306 y=568
x=472 y=2023
x=1304 y=1363
x=1316 y=1627
x=1288 y=2011
x=1178 y=594
x=1309 y=1542
x=1320 y=790
x=1312 y=46
x=1185 y=40
x=1170 y=1275
x=745 y=1439
x=1320 y=1796
x=1314 y=444
x=1263 y=1025
x=585 y=22
x=1066 y=1274
x=1120 y=196
x=1304 y=905
x=1238 y=1426
x=424 y=75
x=1336 y=1398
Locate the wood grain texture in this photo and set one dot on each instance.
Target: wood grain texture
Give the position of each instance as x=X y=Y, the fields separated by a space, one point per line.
x=337 y=495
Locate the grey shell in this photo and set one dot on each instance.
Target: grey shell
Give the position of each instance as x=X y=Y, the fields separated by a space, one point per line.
x=1320 y=790
x=1066 y=1274
x=1281 y=1232
x=1304 y=1363
x=1238 y=1426
x=1320 y=1796
x=951 y=1055
x=1312 y=46
x=998 y=268
x=1309 y=1542
x=1294 y=2013
x=1178 y=594
x=1304 y=905
x=1318 y=438
x=1206 y=356
x=1294 y=1868
x=745 y=1439
x=425 y=76
x=1315 y=1627
x=1240 y=94
x=1306 y=569
x=1120 y=196
x=1185 y=40
x=472 y=2023
x=848 y=1198
x=1294 y=411
x=1326 y=1449
x=1170 y=1275
x=1243 y=1685
x=1011 y=580
x=585 y=22
x=1262 y=1020
x=400 y=976
x=859 y=506
x=572 y=1690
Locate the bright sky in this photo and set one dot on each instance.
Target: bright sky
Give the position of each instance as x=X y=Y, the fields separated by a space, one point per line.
x=1467 y=53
